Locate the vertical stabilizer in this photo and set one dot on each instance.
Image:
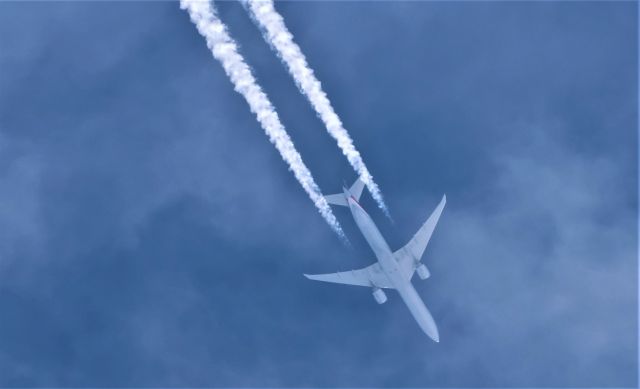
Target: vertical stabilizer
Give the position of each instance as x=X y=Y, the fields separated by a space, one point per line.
x=341 y=198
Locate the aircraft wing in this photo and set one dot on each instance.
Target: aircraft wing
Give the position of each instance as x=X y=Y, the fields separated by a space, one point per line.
x=369 y=276
x=409 y=256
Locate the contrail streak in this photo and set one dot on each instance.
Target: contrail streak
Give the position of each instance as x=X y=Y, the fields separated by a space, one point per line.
x=281 y=40
x=225 y=50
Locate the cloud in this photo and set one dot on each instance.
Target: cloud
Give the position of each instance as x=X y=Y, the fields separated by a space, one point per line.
x=532 y=266
x=156 y=253
x=20 y=222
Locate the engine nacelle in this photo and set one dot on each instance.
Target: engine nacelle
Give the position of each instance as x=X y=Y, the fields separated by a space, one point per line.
x=423 y=272
x=379 y=295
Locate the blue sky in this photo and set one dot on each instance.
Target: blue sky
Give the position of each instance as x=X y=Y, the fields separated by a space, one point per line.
x=150 y=235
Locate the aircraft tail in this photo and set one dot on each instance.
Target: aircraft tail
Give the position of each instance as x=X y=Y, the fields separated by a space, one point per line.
x=341 y=198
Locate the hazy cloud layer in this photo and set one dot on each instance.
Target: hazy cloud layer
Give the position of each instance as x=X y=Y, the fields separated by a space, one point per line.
x=134 y=252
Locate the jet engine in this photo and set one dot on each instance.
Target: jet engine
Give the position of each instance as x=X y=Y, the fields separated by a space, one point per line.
x=379 y=295
x=423 y=272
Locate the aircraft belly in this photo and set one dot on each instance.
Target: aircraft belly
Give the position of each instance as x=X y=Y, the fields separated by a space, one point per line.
x=392 y=270
x=389 y=265
x=378 y=245
x=371 y=233
x=419 y=310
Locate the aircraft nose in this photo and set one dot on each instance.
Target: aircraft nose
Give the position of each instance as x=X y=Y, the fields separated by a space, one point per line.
x=436 y=338
x=429 y=326
x=432 y=332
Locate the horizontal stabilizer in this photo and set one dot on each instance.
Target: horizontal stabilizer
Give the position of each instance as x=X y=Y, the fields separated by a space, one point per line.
x=337 y=199
x=341 y=198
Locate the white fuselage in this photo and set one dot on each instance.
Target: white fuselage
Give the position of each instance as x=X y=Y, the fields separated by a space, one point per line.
x=391 y=268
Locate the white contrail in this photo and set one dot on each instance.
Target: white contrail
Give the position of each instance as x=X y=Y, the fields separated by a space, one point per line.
x=278 y=36
x=225 y=50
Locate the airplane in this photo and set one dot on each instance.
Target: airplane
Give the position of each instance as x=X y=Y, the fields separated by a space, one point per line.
x=393 y=270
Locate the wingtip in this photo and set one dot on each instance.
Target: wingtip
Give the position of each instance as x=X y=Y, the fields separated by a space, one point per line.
x=443 y=202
